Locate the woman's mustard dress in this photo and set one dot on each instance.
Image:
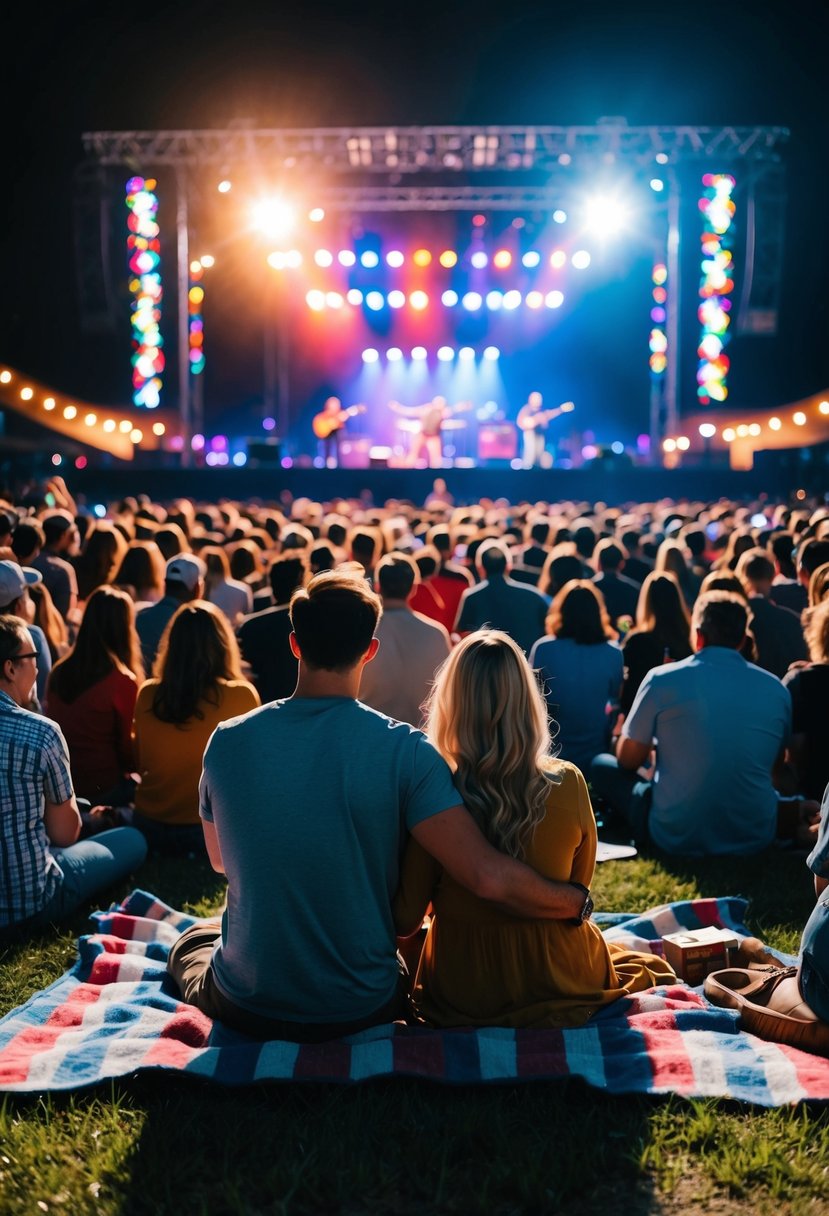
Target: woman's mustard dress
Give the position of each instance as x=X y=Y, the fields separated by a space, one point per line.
x=483 y=967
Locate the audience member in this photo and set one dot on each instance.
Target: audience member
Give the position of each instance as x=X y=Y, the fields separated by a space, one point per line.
x=480 y=966
x=662 y=633
x=500 y=602
x=60 y=544
x=777 y=632
x=15 y=600
x=620 y=594
x=398 y=680
x=264 y=636
x=233 y=598
x=46 y=874
x=141 y=573
x=183 y=581
x=197 y=684
x=100 y=559
x=808 y=685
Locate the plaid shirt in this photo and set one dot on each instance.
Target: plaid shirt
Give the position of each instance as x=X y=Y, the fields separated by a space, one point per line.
x=34 y=765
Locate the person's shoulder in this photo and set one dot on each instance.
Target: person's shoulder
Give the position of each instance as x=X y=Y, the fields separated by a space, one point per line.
x=146 y=693
x=240 y=692
x=426 y=625
x=36 y=726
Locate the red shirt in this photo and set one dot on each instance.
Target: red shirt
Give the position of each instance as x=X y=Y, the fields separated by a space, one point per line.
x=97 y=726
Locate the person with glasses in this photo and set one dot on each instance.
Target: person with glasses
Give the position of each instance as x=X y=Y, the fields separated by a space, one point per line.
x=45 y=871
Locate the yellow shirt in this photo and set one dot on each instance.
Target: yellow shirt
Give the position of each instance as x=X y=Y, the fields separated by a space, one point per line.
x=169 y=756
x=482 y=967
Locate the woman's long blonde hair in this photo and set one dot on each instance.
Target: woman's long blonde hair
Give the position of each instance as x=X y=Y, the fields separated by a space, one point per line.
x=488 y=719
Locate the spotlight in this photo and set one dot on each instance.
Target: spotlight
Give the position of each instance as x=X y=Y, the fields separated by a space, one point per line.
x=316 y=215
x=293 y=259
x=124 y=426
x=323 y=257
x=531 y=259
x=346 y=257
x=370 y=355
x=554 y=299
x=492 y=352
x=557 y=259
x=394 y=354
x=534 y=299
x=799 y=418
x=707 y=430
x=775 y=424
x=394 y=258
x=683 y=443
x=449 y=298
x=502 y=259
x=479 y=259
x=276 y=260
x=472 y=300
x=446 y=354
x=315 y=300
x=369 y=259
x=605 y=215
x=669 y=445
x=512 y=299
x=5 y=377
x=559 y=216
x=158 y=428
x=396 y=299
x=224 y=187
x=374 y=300
x=755 y=429
x=273 y=216
x=466 y=353
x=354 y=295
x=657 y=185
x=333 y=299
x=90 y=419
x=580 y=259
x=239 y=459
x=494 y=299
x=421 y=257
x=419 y=300
x=617 y=448
x=448 y=259
x=419 y=352
x=136 y=435
x=207 y=260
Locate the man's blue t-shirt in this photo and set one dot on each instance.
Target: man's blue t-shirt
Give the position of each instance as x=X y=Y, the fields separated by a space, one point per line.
x=312 y=799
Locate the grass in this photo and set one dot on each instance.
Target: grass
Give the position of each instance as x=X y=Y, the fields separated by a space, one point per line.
x=162 y=1145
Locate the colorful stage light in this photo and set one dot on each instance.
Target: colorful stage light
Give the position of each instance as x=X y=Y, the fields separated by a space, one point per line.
x=354 y=296
x=224 y=186
x=26 y=394
x=707 y=430
x=109 y=425
x=419 y=300
x=421 y=257
x=472 y=301
x=268 y=424
x=146 y=289
x=492 y=352
x=49 y=403
x=531 y=259
x=512 y=299
x=449 y=298
x=466 y=353
x=370 y=355
x=293 y=259
x=823 y=407
x=208 y=261
x=240 y=459
x=333 y=299
x=557 y=259
x=448 y=259
x=346 y=257
x=775 y=424
x=658 y=341
x=559 y=216
x=5 y=377
x=396 y=299
x=657 y=185
x=580 y=259
x=316 y=215
x=716 y=284
x=394 y=258
x=494 y=300
x=554 y=299
x=534 y=299
x=446 y=354
x=799 y=418
x=374 y=300
x=419 y=352
x=394 y=354
x=369 y=259
x=479 y=259
x=323 y=257
x=502 y=259
x=315 y=300
x=195 y=321
x=273 y=216
x=276 y=260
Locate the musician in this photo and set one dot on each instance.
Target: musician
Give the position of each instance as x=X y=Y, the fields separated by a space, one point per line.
x=428 y=438
x=331 y=422
x=532 y=422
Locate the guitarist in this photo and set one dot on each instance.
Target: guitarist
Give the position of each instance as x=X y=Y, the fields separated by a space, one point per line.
x=329 y=425
x=431 y=418
x=532 y=421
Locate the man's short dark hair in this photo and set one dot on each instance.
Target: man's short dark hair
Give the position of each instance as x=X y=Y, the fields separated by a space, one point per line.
x=493 y=557
x=27 y=537
x=396 y=574
x=609 y=554
x=755 y=566
x=334 y=619
x=12 y=637
x=365 y=545
x=721 y=618
x=811 y=554
x=286 y=574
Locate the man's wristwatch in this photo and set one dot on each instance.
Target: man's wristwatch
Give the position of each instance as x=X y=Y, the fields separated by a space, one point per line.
x=587 y=906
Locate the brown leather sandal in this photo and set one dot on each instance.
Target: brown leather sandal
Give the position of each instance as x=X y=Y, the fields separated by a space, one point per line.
x=770 y=1005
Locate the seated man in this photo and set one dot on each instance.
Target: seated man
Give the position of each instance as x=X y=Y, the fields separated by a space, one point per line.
x=719 y=725
x=184 y=578
x=306 y=805
x=46 y=874
x=500 y=602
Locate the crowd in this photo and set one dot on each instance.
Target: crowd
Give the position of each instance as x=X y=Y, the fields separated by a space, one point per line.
x=349 y=709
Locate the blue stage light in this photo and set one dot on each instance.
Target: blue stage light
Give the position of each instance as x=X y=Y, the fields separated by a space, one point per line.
x=531 y=259
x=449 y=298
x=374 y=300
x=472 y=301
x=370 y=355
x=446 y=354
x=492 y=352
x=369 y=259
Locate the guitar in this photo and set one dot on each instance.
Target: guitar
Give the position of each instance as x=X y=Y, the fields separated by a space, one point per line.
x=324 y=423
x=533 y=421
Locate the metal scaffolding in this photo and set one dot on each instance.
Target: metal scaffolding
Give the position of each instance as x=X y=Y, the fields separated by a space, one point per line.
x=375 y=169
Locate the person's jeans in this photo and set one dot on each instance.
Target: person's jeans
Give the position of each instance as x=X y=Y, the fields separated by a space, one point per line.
x=624 y=791
x=814 y=965
x=91 y=865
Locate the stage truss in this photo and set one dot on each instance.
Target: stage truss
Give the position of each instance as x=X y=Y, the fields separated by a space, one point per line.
x=374 y=169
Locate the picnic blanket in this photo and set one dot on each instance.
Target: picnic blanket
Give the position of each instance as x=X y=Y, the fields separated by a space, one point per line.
x=116 y=1013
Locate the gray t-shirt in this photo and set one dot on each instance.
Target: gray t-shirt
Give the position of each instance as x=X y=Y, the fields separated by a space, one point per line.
x=312 y=799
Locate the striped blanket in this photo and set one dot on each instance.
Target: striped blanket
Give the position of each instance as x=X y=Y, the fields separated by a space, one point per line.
x=115 y=1013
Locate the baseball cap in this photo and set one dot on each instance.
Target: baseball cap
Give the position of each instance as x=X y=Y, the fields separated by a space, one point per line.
x=185 y=568
x=13 y=583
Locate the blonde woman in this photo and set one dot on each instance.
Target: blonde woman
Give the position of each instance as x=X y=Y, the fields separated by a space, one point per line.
x=488 y=719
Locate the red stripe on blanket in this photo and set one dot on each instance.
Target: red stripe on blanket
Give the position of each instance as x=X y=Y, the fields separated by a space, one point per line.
x=708 y=912
x=329 y=1060
x=16 y=1057
x=540 y=1053
x=105 y=970
x=422 y=1055
x=812 y=1071
x=670 y=1062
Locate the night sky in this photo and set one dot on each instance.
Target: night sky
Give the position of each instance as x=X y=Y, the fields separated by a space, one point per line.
x=102 y=67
